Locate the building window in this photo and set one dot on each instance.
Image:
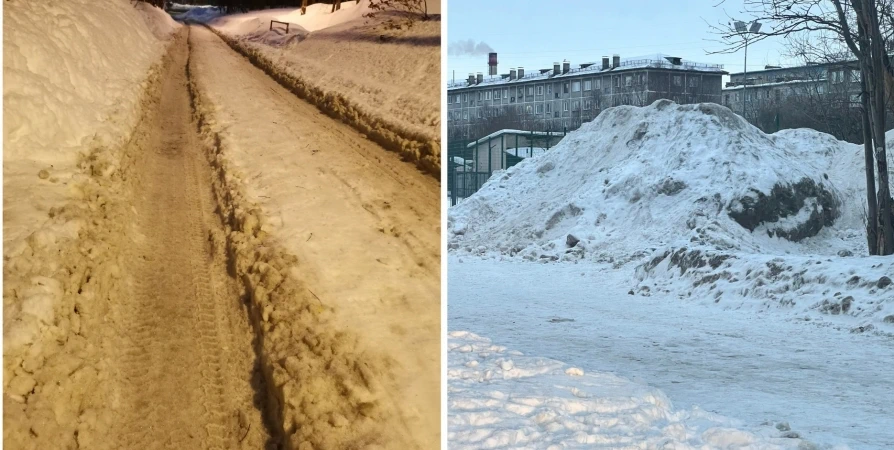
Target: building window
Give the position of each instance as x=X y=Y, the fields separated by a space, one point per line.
x=505 y=92
x=530 y=90
x=726 y=99
x=575 y=86
x=737 y=96
x=598 y=83
x=539 y=89
x=617 y=81
x=487 y=95
x=588 y=105
x=465 y=98
x=549 y=89
x=856 y=76
x=628 y=81
x=565 y=88
x=575 y=105
x=693 y=82
x=539 y=108
x=588 y=85
x=478 y=112
x=465 y=115
x=512 y=100
x=528 y=109
x=678 y=80
x=456 y=98
x=549 y=108
x=565 y=106
x=496 y=94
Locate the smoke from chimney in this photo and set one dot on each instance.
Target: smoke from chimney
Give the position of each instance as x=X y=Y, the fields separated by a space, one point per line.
x=468 y=48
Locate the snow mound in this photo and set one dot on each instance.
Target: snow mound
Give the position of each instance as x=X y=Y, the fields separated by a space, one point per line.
x=498 y=398
x=159 y=22
x=636 y=179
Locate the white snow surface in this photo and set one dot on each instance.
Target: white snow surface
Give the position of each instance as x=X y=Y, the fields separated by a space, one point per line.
x=500 y=398
x=802 y=374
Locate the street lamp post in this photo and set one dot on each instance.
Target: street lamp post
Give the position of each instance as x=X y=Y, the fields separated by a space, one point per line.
x=753 y=28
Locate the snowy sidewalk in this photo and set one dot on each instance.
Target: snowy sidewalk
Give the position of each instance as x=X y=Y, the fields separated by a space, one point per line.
x=828 y=384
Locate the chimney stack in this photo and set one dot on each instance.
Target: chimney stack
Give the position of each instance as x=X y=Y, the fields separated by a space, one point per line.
x=471 y=79
x=566 y=66
x=491 y=64
x=616 y=60
x=512 y=74
x=556 y=68
x=480 y=78
x=521 y=72
x=605 y=63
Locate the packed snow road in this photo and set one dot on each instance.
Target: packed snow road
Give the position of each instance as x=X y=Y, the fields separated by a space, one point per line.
x=831 y=386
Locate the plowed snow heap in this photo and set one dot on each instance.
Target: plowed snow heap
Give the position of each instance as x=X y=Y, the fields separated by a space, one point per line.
x=637 y=179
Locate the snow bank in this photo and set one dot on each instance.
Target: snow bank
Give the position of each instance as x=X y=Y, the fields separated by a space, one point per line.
x=78 y=75
x=73 y=75
x=692 y=193
x=499 y=398
x=380 y=80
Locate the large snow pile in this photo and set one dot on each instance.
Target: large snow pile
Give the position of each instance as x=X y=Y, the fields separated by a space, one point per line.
x=499 y=398
x=378 y=78
x=695 y=192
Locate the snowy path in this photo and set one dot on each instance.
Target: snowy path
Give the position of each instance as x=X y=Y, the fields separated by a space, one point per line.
x=832 y=387
x=362 y=223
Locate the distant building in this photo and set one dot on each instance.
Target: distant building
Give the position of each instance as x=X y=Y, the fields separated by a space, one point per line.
x=819 y=96
x=561 y=98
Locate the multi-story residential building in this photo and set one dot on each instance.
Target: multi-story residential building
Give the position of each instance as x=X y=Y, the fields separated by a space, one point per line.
x=561 y=98
x=822 y=96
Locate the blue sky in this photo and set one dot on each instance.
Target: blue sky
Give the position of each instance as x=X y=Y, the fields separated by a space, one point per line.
x=535 y=33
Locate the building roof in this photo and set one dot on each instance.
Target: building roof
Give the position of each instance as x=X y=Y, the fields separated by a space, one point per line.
x=656 y=61
x=792 y=68
x=512 y=132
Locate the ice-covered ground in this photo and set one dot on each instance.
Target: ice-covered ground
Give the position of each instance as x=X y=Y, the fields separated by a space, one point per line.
x=380 y=79
x=827 y=384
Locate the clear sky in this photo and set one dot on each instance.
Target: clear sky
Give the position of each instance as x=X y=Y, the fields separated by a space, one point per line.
x=535 y=33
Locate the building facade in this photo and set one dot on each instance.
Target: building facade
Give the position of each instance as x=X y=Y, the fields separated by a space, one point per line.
x=825 y=97
x=561 y=98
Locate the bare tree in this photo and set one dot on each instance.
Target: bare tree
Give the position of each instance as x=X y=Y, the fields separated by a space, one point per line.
x=854 y=26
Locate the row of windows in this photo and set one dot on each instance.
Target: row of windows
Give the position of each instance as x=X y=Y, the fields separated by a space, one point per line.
x=540 y=108
x=758 y=94
x=573 y=86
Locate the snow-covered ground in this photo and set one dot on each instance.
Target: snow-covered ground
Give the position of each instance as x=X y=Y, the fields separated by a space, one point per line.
x=685 y=248
x=758 y=369
x=501 y=398
x=381 y=80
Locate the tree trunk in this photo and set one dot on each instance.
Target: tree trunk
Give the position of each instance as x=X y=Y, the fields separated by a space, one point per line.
x=871 y=204
x=877 y=48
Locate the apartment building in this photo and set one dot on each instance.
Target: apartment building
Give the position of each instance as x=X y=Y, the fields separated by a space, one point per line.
x=561 y=98
x=827 y=84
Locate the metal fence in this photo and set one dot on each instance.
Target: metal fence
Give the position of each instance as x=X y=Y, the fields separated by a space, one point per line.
x=471 y=162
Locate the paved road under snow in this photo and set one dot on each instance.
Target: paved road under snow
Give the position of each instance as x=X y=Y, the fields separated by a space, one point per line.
x=831 y=386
